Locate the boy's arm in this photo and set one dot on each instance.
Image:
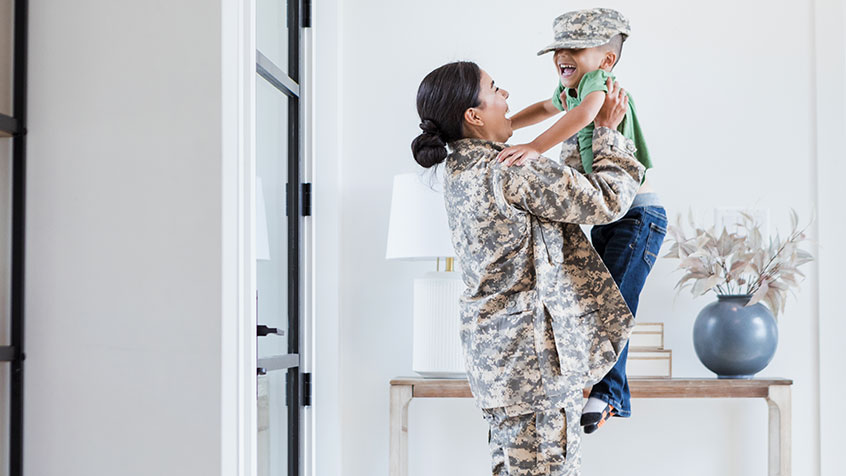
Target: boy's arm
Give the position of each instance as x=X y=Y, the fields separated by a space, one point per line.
x=537 y=112
x=572 y=122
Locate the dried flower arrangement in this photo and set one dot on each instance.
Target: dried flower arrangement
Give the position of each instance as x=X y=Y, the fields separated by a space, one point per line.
x=740 y=262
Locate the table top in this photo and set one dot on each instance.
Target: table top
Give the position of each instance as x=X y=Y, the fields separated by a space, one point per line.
x=639 y=387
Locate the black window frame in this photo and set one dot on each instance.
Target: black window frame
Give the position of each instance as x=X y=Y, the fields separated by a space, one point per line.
x=297 y=206
x=14 y=127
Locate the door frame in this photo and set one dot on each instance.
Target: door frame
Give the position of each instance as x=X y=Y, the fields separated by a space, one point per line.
x=238 y=325
x=238 y=322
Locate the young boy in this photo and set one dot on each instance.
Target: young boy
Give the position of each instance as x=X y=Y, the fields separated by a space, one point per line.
x=587 y=46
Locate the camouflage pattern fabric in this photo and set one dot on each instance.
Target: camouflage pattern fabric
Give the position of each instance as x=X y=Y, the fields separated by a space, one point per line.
x=524 y=442
x=570 y=155
x=541 y=317
x=587 y=28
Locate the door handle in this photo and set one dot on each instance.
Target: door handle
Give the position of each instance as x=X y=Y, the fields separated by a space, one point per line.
x=262 y=330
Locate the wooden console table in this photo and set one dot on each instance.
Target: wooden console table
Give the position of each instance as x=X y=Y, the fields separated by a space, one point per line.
x=775 y=391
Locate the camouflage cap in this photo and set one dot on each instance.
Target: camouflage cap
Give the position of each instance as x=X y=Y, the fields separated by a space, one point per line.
x=587 y=28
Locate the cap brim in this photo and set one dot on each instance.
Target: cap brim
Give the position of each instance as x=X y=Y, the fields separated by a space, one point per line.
x=573 y=44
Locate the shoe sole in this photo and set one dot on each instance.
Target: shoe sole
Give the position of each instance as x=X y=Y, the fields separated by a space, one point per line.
x=592 y=424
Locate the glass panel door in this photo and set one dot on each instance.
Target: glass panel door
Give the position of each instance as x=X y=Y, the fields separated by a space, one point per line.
x=278 y=224
x=6 y=127
x=271 y=274
x=7 y=29
x=271 y=216
x=272 y=31
x=13 y=108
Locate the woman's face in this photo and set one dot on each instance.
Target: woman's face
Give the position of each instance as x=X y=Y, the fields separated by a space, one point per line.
x=489 y=121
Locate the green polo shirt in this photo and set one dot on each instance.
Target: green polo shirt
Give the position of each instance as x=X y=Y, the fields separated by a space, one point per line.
x=630 y=127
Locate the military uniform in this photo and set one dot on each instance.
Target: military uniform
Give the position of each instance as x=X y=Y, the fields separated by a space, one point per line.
x=541 y=317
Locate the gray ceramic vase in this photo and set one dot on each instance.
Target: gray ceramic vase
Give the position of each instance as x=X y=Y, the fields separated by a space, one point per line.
x=733 y=340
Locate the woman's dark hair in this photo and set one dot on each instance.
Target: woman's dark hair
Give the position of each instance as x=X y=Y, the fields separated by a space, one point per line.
x=442 y=98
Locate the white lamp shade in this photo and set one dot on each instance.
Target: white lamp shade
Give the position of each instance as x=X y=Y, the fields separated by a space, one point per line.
x=418 y=229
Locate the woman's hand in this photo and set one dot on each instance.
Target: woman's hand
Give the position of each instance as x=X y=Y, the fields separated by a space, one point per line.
x=518 y=154
x=614 y=109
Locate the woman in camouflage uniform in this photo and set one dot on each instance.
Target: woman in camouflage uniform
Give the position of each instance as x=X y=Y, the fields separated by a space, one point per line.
x=541 y=317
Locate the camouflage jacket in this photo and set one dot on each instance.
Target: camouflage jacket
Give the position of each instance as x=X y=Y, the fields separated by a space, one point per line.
x=541 y=317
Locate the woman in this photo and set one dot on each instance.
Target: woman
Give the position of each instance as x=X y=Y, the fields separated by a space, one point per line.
x=541 y=317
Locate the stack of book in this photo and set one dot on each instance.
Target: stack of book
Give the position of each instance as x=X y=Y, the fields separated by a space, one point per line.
x=647 y=356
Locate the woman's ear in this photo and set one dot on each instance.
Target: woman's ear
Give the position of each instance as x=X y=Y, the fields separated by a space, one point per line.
x=473 y=118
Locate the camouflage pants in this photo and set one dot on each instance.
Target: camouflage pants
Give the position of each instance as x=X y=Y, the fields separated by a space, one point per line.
x=527 y=442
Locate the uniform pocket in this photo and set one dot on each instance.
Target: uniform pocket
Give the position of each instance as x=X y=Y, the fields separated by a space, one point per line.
x=500 y=347
x=583 y=344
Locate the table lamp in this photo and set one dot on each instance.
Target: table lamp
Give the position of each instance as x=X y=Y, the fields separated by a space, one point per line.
x=418 y=230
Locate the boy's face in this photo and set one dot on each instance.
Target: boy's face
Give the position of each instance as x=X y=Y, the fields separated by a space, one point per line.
x=572 y=64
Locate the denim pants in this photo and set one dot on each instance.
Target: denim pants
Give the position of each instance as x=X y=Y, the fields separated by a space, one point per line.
x=629 y=248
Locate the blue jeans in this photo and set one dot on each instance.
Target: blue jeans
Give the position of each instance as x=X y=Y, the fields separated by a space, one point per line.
x=629 y=248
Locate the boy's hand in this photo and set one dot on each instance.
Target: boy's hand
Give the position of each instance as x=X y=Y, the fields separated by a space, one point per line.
x=518 y=154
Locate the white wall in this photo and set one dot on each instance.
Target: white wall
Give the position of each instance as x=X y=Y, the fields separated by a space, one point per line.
x=127 y=238
x=831 y=128
x=327 y=146
x=726 y=94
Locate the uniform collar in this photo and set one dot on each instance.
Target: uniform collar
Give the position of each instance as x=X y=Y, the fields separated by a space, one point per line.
x=469 y=142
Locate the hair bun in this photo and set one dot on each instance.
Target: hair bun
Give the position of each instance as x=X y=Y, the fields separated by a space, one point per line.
x=429 y=149
x=443 y=97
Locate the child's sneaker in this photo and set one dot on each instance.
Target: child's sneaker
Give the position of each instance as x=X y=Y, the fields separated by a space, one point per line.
x=595 y=414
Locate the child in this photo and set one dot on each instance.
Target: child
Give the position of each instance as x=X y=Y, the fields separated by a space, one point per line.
x=587 y=45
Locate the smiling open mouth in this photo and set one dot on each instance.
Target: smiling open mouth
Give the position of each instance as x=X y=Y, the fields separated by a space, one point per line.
x=566 y=70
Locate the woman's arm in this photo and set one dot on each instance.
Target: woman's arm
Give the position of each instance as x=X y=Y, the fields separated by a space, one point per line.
x=559 y=193
x=575 y=120
x=537 y=112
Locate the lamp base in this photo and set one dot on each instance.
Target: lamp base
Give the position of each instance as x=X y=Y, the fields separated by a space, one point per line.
x=437 y=348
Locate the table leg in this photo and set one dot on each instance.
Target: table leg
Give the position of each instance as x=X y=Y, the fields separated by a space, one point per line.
x=400 y=398
x=779 y=430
